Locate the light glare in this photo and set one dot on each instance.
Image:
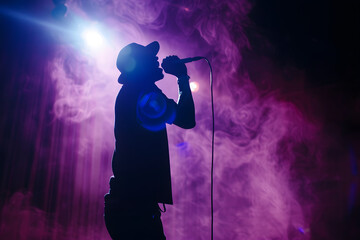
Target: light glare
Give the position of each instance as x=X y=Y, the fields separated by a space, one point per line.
x=194 y=86
x=92 y=38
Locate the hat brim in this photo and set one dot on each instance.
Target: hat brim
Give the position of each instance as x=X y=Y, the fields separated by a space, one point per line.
x=153 y=47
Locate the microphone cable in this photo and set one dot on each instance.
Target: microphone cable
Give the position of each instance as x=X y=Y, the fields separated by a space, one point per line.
x=187 y=60
x=212 y=148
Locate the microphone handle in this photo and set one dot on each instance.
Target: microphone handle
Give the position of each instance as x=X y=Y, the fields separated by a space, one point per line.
x=192 y=59
x=184 y=60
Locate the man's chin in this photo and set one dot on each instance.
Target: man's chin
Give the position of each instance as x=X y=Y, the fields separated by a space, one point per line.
x=159 y=75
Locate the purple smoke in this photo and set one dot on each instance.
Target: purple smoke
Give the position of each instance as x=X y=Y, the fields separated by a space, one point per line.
x=269 y=148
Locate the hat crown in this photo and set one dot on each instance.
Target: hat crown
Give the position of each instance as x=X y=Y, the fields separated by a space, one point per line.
x=133 y=51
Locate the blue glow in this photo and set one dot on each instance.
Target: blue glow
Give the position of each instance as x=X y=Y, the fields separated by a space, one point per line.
x=74 y=30
x=182 y=145
x=352 y=196
x=353 y=162
x=152 y=105
x=153 y=111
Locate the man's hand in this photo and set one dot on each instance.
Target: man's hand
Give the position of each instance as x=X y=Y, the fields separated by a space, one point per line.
x=172 y=65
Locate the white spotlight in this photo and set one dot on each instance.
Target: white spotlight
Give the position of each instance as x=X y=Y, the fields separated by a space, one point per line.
x=92 y=38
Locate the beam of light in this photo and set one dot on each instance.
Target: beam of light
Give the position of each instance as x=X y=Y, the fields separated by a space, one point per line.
x=75 y=32
x=46 y=23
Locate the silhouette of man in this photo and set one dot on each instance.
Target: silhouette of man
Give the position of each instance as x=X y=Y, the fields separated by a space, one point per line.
x=141 y=158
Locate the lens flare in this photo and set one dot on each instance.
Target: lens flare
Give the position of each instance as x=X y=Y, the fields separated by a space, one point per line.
x=194 y=86
x=153 y=111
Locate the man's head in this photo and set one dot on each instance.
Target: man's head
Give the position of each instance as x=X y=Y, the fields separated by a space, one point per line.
x=139 y=64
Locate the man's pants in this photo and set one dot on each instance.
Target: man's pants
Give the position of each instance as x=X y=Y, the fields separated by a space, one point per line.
x=128 y=221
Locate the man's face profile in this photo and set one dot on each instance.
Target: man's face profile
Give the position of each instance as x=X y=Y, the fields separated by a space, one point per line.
x=147 y=67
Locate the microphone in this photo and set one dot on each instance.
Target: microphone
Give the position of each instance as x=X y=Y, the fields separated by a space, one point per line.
x=170 y=63
x=192 y=59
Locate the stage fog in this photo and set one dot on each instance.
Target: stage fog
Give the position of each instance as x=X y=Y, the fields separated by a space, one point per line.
x=286 y=117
